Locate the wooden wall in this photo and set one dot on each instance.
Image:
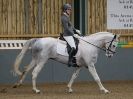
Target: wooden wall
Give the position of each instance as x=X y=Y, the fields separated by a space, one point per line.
x=97 y=20
x=23 y=19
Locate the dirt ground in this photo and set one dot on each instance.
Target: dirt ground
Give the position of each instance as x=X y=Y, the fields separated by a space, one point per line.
x=82 y=90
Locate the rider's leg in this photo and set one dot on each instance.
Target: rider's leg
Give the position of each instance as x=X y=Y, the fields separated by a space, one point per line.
x=71 y=42
x=71 y=54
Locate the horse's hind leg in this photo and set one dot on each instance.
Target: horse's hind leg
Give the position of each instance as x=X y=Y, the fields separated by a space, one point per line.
x=22 y=77
x=35 y=73
x=93 y=72
x=74 y=76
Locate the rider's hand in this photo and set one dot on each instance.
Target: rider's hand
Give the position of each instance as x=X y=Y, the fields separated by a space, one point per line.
x=78 y=31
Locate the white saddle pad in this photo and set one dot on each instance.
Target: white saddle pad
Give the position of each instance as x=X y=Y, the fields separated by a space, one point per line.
x=62 y=48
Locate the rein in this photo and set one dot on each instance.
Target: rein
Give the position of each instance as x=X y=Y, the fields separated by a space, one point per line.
x=100 y=47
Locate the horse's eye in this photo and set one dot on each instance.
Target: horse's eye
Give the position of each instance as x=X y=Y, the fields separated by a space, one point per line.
x=113 y=45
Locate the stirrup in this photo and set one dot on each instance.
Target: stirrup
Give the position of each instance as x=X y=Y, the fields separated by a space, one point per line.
x=72 y=64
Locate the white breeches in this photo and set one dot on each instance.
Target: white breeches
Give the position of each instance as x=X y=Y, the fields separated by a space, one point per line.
x=70 y=41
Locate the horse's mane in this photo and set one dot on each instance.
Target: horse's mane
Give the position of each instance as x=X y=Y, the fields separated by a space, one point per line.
x=98 y=34
x=101 y=33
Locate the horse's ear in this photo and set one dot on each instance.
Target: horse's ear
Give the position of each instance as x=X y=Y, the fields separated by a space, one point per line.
x=118 y=35
x=115 y=36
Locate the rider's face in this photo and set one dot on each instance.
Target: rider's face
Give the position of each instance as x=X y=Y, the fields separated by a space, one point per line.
x=69 y=11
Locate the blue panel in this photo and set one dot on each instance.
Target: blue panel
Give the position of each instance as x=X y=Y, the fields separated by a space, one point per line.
x=119 y=67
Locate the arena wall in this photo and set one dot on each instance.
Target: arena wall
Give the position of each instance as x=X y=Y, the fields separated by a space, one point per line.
x=119 y=67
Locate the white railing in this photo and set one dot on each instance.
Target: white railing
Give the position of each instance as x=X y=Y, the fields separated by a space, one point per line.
x=12 y=44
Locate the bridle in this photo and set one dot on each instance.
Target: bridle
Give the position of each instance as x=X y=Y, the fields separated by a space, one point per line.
x=109 y=50
x=104 y=49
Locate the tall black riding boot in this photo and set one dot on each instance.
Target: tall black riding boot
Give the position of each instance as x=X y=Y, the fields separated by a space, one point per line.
x=71 y=54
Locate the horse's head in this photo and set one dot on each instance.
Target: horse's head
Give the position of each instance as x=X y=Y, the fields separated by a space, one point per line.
x=111 y=45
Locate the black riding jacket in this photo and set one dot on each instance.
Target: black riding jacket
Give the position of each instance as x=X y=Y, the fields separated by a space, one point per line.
x=67 y=26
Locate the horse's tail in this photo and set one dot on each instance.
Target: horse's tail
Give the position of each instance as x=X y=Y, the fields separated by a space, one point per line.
x=21 y=55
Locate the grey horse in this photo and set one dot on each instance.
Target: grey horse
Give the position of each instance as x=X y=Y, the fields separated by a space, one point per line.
x=88 y=48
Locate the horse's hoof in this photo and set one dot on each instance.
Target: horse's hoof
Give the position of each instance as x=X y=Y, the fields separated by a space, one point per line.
x=105 y=91
x=70 y=91
x=16 y=85
x=36 y=91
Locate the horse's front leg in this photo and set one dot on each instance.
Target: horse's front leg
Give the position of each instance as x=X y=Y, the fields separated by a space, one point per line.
x=93 y=72
x=74 y=76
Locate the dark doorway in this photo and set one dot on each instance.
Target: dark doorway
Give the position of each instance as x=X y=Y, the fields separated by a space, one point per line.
x=77 y=14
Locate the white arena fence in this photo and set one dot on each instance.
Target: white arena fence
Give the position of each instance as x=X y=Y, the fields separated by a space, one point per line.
x=12 y=44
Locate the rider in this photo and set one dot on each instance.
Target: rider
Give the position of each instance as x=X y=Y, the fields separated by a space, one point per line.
x=68 y=30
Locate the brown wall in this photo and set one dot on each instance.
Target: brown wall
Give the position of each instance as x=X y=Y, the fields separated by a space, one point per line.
x=23 y=19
